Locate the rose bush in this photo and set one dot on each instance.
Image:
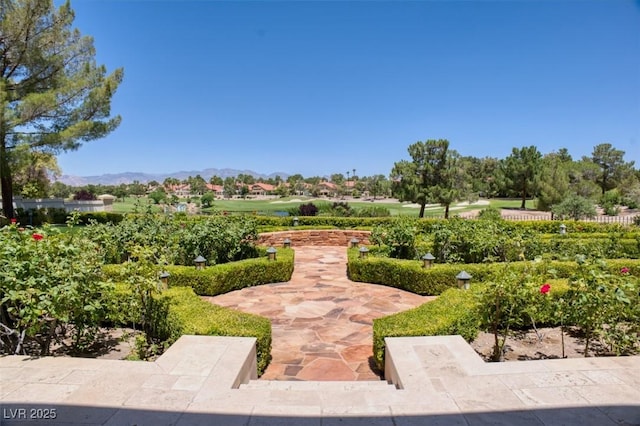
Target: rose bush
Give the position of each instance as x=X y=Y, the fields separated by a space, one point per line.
x=51 y=286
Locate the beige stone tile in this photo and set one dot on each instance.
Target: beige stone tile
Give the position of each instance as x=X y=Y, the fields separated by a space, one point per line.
x=41 y=375
x=503 y=418
x=40 y=392
x=286 y=415
x=109 y=389
x=603 y=377
x=560 y=378
x=610 y=394
x=412 y=415
x=550 y=396
x=8 y=387
x=189 y=383
x=160 y=399
x=143 y=417
x=488 y=400
x=583 y=416
x=79 y=377
x=159 y=381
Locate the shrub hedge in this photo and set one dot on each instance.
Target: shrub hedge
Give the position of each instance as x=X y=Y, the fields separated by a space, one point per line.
x=226 y=277
x=409 y=275
x=454 y=311
x=451 y=313
x=188 y=314
x=179 y=311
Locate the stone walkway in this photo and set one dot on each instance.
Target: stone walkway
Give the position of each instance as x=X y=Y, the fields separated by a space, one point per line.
x=321 y=321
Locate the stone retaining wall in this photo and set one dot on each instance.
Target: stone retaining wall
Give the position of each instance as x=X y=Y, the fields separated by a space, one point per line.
x=325 y=237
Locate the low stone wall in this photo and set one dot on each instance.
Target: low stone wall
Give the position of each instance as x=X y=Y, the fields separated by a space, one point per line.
x=324 y=237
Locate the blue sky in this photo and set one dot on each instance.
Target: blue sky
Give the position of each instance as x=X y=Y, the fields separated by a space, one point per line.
x=325 y=87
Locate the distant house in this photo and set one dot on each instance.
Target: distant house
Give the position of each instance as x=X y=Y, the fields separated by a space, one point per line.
x=327 y=189
x=180 y=190
x=216 y=189
x=260 y=188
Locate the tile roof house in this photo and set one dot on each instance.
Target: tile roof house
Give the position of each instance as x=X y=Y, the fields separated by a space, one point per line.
x=260 y=188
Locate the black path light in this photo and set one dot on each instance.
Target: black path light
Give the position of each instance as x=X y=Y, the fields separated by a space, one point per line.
x=164 y=280
x=427 y=260
x=271 y=253
x=463 y=280
x=363 y=252
x=286 y=243
x=199 y=262
x=354 y=242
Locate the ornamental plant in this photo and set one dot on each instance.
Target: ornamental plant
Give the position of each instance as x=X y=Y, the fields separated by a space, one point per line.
x=51 y=287
x=399 y=237
x=513 y=300
x=604 y=305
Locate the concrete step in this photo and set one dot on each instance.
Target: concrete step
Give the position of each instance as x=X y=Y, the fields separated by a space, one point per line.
x=324 y=386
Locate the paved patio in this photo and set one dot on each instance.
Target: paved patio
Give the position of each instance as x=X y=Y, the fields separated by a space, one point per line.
x=321 y=321
x=207 y=380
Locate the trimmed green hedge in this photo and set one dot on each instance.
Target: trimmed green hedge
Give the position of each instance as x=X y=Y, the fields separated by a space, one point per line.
x=226 y=277
x=451 y=313
x=178 y=311
x=189 y=314
x=409 y=275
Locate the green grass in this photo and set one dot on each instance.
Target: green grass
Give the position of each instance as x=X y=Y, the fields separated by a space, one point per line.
x=130 y=204
x=271 y=206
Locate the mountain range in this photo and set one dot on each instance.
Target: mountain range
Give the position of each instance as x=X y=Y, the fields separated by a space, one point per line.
x=129 y=177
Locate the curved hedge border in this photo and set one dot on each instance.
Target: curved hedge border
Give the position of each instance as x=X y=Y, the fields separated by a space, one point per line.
x=226 y=277
x=189 y=314
x=409 y=275
x=452 y=312
x=179 y=310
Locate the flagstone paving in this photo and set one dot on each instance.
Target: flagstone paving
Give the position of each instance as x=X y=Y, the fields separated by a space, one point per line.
x=321 y=320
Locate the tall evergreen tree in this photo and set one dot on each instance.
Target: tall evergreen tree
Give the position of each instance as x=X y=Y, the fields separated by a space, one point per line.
x=613 y=168
x=433 y=175
x=521 y=168
x=53 y=96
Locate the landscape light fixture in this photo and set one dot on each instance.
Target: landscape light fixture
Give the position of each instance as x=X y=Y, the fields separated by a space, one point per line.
x=463 y=280
x=427 y=260
x=363 y=252
x=164 y=280
x=199 y=262
x=271 y=253
x=286 y=243
x=563 y=229
x=354 y=242
x=295 y=221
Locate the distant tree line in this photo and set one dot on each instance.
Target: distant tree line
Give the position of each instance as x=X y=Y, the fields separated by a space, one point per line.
x=435 y=173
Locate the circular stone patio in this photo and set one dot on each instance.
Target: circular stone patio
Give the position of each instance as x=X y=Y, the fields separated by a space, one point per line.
x=321 y=321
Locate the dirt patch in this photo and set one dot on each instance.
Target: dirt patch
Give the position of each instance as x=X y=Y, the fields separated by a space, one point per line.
x=527 y=345
x=111 y=343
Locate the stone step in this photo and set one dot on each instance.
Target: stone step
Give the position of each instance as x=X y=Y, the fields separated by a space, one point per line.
x=328 y=386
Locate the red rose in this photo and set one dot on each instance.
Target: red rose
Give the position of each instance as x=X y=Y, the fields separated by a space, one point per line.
x=624 y=270
x=545 y=289
x=13 y=221
x=37 y=237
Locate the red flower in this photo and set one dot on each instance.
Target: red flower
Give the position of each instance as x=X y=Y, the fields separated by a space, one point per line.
x=13 y=220
x=37 y=237
x=545 y=289
x=624 y=270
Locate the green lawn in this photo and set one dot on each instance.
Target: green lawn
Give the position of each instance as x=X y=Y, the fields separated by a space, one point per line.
x=271 y=206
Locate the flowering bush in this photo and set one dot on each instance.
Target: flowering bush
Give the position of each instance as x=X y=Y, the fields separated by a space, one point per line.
x=510 y=302
x=604 y=305
x=217 y=239
x=50 y=285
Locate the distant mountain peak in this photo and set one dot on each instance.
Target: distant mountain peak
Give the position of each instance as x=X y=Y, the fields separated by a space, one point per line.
x=130 y=177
